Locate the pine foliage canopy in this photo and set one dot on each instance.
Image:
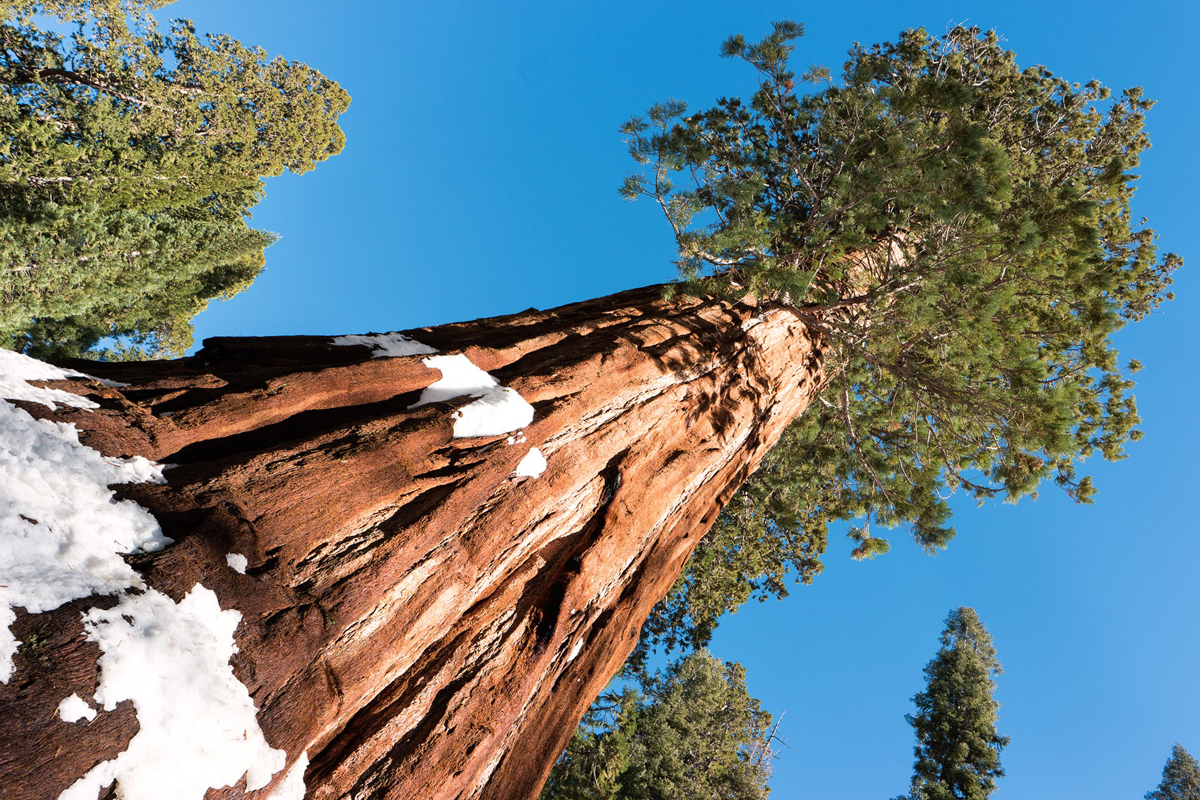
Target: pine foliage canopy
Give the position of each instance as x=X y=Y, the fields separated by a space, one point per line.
x=958 y=228
x=1181 y=777
x=130 y=159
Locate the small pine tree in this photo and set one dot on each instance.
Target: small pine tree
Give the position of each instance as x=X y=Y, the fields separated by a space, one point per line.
x=698 y=735
x=958 y=748
x=1181 y=778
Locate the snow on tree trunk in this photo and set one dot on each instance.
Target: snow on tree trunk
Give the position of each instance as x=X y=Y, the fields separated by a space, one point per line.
x=423 y=616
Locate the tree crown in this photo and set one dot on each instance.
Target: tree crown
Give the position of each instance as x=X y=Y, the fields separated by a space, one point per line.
x=959 y=230
x=1181 y=777
x=697 y=734
x=958 y=747
x=124 y=114
x=130 y=161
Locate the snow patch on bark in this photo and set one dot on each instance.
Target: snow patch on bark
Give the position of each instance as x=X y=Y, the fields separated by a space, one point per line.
x=532 y=465
x=17 y=370
x=459 y=377
x=498 y=410
x=75 y=708
x=62 y=537
x=387 y=345
x=198 y=725
x=62 y=533
x=237 y=562
x=292 y=786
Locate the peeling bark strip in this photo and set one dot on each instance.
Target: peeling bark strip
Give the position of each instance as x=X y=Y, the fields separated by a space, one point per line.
x=418 y=619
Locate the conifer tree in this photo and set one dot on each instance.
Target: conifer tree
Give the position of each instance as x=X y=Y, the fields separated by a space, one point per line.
x=698 y=734
x=80 y=274
x=1181 y=777
x=958 y=747
x=127 y=115
x=958 y=228
x=431 y=621
x=129 y=161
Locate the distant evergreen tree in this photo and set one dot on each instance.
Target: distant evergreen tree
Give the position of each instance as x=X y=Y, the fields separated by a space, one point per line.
x=958 y=747
x=1181 y=777
x=698 y=735
x=129 y=161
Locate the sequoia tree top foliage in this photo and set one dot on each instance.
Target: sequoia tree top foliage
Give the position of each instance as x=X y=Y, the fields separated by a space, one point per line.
x=959 y=230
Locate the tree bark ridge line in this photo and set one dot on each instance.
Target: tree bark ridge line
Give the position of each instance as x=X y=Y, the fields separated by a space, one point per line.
x=420 y=621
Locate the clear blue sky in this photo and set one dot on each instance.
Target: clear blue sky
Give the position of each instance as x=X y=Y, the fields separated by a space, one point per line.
x=480 y=178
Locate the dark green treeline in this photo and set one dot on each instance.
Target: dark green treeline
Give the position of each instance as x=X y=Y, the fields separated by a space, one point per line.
x=693 y=731
x=131 y=156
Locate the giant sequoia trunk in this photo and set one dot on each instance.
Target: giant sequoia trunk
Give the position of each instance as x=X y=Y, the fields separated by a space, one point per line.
x=420 y=620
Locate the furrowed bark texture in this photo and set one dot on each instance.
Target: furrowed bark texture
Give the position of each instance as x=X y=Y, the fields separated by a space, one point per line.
x=422 y=622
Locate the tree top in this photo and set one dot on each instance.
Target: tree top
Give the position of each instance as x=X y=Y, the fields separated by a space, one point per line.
x=959 y=229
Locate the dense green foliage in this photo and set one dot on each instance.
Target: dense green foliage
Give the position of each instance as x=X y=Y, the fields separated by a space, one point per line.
x=1181 y=778
x=958 y=229
x=958 y=748
x=129 y=161
x=698 y=735
x=80 y=274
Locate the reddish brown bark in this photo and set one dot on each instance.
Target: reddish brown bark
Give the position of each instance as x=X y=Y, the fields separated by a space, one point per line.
x=411 y=609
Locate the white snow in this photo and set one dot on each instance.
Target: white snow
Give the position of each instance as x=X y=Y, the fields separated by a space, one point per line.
x=198 y=724
x=75 y=708
x=498 y=410
x=62 y=535
x=532 y=465
x=575 y=650
x=459 y=377
x=387 y=345
x=292 y=785
x=61 y=531
x=237 y=562
x=16 y=370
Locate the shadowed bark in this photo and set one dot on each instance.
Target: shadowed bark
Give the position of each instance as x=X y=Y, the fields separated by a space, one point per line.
x=420 y=621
